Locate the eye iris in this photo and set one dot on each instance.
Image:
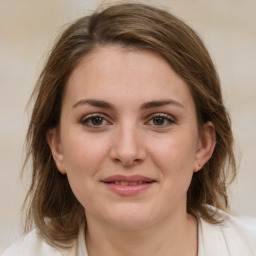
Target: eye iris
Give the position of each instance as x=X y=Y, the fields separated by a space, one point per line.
x=158 y=120
x=97 y=120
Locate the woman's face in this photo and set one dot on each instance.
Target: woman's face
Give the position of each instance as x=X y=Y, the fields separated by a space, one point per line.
x=128 y=138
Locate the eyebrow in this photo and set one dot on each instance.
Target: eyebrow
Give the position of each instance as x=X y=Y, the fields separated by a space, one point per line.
x=160 y=103
x=95 y=103
x=146 y=105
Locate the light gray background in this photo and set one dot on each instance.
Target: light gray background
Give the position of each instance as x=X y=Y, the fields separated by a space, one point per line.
x=27 y=31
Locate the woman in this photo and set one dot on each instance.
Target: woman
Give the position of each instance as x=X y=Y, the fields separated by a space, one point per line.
x=131 y=143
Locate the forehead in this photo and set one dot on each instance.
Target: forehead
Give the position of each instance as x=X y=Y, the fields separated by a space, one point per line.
x=117 y=72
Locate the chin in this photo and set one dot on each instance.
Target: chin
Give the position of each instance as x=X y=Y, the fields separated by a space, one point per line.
x=130 y=224
x=130 y=219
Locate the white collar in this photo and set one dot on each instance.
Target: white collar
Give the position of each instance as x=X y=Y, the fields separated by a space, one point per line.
x=81 y=245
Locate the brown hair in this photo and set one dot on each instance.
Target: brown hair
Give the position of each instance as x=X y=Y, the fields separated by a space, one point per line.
x=52 y=206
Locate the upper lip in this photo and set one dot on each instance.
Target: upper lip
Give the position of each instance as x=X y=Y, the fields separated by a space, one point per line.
x=133 y=178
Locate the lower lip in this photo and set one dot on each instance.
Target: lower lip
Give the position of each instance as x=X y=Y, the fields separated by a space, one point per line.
x=129 y=190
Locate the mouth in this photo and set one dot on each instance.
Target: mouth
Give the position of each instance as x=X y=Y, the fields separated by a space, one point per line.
x=128 y=185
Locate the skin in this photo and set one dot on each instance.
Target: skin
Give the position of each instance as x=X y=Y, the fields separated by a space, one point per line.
x=128 y=139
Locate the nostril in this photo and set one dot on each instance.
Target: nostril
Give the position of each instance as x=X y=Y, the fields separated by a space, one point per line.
x=127 y=148
x=127 y=161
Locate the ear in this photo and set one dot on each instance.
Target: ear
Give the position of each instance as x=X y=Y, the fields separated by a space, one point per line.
x=54 y=143
x=206 y=145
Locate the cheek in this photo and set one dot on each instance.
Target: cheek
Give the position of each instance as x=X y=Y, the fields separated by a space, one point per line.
x=175 y=156
x=82 y=153
x=83 y=159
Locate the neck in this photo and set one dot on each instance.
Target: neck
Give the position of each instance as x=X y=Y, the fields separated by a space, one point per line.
x=177 y=237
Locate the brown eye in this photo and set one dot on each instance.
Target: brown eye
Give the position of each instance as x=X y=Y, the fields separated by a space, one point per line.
x=94 y=121
x=159 y=120
x=97 y=120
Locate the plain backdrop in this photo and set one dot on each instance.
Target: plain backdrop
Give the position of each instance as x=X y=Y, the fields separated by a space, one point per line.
x=27 y=32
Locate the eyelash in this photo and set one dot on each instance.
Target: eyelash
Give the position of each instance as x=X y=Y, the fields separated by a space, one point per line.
x=164 y=117
x=87 y=120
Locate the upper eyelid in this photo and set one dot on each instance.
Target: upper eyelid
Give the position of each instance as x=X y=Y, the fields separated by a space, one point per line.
x=98 y=114
x=160 y=114
x=86 y=118
x=87 y=121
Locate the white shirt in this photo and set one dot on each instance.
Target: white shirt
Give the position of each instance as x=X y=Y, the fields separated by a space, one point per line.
x=227 y=239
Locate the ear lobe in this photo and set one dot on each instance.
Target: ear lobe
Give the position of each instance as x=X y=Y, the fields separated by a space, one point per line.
x=54 y=143
x=206 y=145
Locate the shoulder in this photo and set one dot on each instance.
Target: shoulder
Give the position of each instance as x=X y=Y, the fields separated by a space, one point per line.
x=231 y=236
x=33 y=244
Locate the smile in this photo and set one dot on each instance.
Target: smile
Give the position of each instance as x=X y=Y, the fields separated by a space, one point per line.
x=125 y=183
x=128 y=185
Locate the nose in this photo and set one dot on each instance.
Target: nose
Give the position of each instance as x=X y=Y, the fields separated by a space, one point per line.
x=128 y=146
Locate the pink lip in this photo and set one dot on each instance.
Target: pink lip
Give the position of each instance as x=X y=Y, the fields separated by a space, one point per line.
x=128 y=190
x=133 y=178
